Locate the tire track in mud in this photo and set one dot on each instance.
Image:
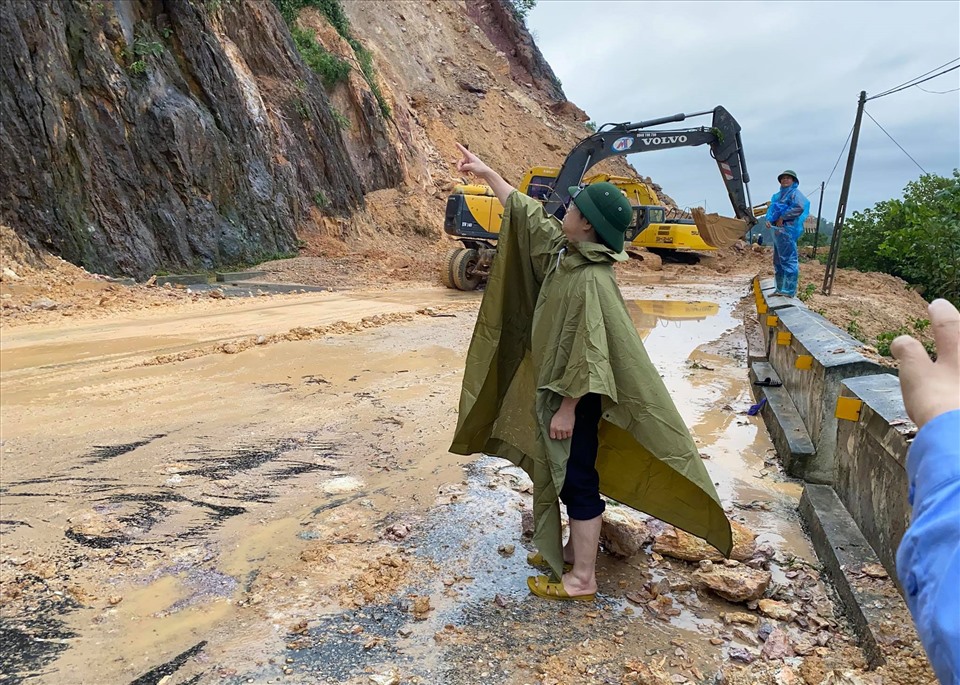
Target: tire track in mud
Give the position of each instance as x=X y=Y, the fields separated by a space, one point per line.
x=33 y=625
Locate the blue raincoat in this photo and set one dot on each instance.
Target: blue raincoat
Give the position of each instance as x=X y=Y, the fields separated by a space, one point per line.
x=793 y=207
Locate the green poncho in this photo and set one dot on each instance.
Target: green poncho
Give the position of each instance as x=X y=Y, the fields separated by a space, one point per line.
x=552 y=324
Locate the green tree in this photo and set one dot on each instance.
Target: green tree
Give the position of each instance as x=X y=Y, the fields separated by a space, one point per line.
x=521 y=8
x=916 y=238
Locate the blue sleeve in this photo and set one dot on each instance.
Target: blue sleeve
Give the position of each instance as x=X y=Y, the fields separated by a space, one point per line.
x=799 y=205
x=928 y=561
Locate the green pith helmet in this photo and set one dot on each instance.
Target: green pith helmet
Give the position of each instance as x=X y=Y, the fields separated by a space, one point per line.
x=788 y=172
x=607 y=210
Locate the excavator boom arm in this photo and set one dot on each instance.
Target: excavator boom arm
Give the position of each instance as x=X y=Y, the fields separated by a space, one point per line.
x=625 y=139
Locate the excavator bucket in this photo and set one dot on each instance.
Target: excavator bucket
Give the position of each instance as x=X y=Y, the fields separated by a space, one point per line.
x=718 y=231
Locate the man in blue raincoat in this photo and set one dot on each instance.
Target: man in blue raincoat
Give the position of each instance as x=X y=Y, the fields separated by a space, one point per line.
x=788 y=208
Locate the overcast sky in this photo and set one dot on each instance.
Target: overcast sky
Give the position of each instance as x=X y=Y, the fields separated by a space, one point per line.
x=789 y=72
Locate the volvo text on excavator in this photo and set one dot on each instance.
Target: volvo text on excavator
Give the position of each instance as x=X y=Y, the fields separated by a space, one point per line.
x=473 y=214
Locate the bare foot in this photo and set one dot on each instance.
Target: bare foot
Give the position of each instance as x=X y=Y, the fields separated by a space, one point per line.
x=579 y=586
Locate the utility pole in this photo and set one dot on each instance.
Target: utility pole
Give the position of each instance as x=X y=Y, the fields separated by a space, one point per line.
x=816 y=236
x=842 y=206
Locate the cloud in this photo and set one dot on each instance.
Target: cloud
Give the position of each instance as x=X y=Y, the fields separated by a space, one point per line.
x=790 y=73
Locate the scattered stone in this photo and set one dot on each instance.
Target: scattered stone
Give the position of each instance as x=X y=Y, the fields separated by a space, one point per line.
x=9 y=273
x=740 y=617
x=397 y=531
x=506 y=550
x=404 y=632
x=744 y=636
x=261 y=340
x=739 y=584
x=526 y=522
x=385 y=679
x=217 y=294
x=230 y=348
x=787 y=676
x=842 y=678
x=777 y=645
x=645 y=674
x=678 y=544
x=115 y=600
x=744 y=656
x=765 y=631
x=874 y=571
x=681 y=586
x=44 y=303
x=95 y=530
x=421 y=607
x=716 y=641
x=341 y=485
x=500 y=600
x=662 y=607
x=805 y=645
x=766 y=551
x=776 y=610
x=660 y=587
x=470 y=86
x=622 y=534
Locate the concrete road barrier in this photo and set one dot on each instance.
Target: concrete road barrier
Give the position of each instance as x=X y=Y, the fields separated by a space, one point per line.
x=813 y=357
x=873 y=436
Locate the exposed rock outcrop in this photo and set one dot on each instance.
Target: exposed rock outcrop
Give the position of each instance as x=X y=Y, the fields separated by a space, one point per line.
x=169 y=133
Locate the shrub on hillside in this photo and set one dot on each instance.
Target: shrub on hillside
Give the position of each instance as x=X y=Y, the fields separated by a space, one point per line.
x=916 y=238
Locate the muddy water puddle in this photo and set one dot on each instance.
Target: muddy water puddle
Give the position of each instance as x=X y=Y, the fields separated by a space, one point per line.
x=281 y=514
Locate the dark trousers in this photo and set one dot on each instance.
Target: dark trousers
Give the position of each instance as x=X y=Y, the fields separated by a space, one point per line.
x=581 y=487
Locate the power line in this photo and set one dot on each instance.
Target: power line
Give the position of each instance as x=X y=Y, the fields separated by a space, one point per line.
x=839 y=157
x=917 y=77
x=939 y=92
x=911 y=85
x=894 y=141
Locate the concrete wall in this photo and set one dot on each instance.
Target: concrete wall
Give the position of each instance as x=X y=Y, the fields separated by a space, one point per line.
x=769 y=304
x=871 y=463
x=812 y=357
x=855 y=501
x=814 y=390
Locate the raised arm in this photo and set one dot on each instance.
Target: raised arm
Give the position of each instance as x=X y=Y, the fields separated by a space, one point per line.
x=470 y=163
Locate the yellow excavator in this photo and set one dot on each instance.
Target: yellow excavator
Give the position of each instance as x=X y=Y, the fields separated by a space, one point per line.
x=473 y=214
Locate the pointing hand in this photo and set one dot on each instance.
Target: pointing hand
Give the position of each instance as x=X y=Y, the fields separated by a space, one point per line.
x=470 y=163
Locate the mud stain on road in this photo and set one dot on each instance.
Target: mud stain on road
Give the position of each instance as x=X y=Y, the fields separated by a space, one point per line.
x=293 y=509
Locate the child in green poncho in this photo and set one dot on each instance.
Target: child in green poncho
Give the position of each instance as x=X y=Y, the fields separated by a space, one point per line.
x=557 y=380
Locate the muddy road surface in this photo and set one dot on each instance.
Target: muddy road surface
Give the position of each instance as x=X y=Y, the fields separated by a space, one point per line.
x=261 y=492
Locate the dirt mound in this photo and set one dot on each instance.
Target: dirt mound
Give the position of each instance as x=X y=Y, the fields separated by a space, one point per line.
x=872 y=307
x=36 y=287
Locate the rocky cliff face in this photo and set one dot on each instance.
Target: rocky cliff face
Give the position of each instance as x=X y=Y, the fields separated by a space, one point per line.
x=162 y=133
x=179 y=134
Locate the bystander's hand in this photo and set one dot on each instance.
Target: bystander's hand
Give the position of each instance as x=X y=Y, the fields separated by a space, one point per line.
x=470 y=163
x=931 y=388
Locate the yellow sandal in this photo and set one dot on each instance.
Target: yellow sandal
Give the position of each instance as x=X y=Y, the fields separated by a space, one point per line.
x=536 y=559
x=543 y=587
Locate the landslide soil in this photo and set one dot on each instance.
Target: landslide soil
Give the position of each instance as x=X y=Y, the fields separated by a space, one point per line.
x=287 y=511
